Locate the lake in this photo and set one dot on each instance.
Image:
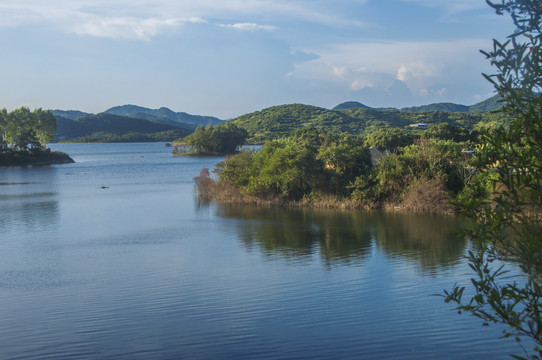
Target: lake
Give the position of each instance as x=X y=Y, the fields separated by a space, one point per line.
x=113 y=258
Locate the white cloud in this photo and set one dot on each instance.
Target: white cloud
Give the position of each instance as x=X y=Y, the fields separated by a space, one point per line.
x=339 y=71
x=361 y=84
x=419 y=65
x=416 y=70
x=442 y=91
x=142 y=19
x=249 y=27
x=128 y=28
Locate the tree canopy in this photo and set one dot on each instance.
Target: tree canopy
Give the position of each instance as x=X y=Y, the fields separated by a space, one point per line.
x=221 y=139
x=507 y=230
x=22 y=129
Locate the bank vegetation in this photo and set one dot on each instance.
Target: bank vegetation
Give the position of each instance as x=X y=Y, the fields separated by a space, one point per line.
x=390 y=169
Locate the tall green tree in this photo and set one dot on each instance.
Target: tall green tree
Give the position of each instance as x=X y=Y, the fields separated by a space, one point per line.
x=508 y=229
x=45 y=126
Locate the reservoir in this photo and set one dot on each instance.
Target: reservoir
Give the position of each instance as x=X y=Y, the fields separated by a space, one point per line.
x=113 y=257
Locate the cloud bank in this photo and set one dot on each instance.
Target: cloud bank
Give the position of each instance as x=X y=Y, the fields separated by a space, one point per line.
x=421 y=66
x=143 y=19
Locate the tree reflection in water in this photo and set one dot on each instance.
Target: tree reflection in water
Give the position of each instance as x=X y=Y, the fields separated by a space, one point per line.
x=343 y=237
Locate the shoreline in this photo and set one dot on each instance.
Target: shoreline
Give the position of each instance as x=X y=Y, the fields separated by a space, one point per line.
x=335 y=204
x=211 y=191
x=34 y=158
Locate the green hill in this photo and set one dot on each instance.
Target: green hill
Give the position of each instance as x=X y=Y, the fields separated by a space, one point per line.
x=283 y=120
x=112 y=128
x=491 y=104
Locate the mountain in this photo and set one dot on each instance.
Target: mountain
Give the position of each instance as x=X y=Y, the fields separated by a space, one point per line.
x=113 y=128
x=283 y=120
x=350 y=105
x=164 y=116
x=491 y=104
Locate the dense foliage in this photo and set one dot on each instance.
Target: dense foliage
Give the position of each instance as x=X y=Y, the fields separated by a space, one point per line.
x=22 y=129
x=211 y=140
x=508 y=230
x=423 y=173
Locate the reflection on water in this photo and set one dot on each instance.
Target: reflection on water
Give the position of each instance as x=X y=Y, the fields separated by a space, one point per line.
x=432 y=241
x=343 y=237
x=31 y=203
x=35 y=215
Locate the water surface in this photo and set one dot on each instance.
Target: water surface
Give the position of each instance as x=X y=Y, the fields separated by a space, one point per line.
x=113 y=258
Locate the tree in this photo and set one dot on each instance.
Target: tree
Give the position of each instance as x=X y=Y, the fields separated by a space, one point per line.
x=508 y=228
x=45 y=125
x=220 y=139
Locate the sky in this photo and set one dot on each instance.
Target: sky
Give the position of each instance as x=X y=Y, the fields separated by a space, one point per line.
x=225 y=58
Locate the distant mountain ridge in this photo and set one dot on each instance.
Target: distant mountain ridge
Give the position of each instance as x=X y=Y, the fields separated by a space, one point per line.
x=137 y=123
x=491 y=104
x=163 y=115
x=283 y=120
x=114 y=128
x=127 y=123
x=70 y=114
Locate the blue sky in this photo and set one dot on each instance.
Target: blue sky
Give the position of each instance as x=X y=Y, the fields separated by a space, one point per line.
x=229 y=57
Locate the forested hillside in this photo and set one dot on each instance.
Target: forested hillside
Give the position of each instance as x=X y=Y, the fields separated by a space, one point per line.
x=112 y=128
x=281 y=121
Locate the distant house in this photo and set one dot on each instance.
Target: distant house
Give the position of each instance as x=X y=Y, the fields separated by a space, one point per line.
x=419 y=125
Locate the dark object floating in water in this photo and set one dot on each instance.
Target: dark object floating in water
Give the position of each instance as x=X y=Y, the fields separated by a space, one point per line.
x=104 y=187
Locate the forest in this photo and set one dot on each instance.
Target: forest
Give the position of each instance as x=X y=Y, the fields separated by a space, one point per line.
x=283 y=120
x=106 y=127
x=394 y=169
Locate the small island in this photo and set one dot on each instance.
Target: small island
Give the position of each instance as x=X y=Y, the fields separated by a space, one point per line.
x=225 y=139
x=24 y=136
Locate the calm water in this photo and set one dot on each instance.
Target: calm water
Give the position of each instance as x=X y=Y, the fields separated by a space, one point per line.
x=112 y=258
